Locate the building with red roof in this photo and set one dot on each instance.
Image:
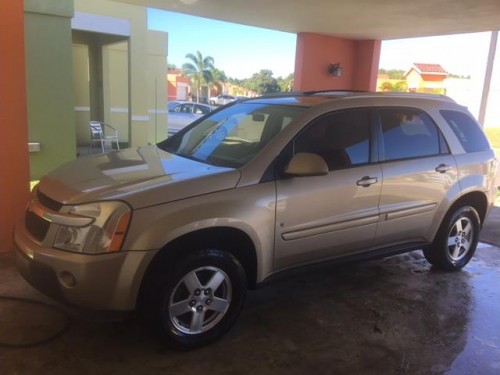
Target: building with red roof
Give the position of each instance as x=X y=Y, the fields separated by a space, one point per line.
x=426 y=78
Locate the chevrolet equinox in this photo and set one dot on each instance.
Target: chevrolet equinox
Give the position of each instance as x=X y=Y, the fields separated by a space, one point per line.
x=180 y=230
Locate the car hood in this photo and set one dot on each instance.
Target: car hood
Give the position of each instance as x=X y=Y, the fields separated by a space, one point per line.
x=142 y=177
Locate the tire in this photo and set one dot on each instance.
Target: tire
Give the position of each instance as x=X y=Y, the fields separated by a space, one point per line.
x=199 y=301
x=456 y=240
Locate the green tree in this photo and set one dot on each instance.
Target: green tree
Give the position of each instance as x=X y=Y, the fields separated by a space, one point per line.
x=199 y=70
x=393 y=73
x=262 y=82
x=286 y=84
x=397 y=86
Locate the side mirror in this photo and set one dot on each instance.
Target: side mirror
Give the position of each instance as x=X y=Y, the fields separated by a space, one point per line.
x=305 y=164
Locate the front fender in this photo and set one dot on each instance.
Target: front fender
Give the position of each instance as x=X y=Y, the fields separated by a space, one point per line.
x=250 y=209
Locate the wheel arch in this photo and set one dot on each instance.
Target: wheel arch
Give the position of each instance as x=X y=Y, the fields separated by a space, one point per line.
x=476 y=199
x=232 y=240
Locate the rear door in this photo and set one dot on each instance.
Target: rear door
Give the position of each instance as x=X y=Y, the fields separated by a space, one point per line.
x=323 y=217
x=418 y=171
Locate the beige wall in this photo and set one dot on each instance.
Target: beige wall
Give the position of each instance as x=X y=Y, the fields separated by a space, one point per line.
x=81 y=92
x=116 y=88
x=134 y=79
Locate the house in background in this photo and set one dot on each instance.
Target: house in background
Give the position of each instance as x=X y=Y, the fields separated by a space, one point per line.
x=426 y=78
x=177 y=85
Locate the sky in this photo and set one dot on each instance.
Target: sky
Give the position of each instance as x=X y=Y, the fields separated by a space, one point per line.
x=241 y=51
x=238 y=50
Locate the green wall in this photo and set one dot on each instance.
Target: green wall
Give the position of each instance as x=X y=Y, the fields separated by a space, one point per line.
x=51 y=119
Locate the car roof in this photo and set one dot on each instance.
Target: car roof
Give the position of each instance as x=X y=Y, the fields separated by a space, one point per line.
x=312 y=98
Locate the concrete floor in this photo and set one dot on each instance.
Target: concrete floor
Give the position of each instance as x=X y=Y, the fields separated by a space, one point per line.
x=392 y=316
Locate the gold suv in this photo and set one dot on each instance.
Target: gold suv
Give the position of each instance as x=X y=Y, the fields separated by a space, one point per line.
x=181 y=229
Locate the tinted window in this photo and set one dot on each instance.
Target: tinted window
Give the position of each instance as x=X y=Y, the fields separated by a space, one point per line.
x=408 y=133
x=466 y=130
x=341 y=138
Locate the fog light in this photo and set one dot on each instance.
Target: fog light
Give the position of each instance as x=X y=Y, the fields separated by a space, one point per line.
x=67 y=279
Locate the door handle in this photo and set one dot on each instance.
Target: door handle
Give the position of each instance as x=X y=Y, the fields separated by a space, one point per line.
x=442 y=168
x=366 y=181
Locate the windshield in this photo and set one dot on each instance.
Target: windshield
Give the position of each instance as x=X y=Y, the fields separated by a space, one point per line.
x=233 y=135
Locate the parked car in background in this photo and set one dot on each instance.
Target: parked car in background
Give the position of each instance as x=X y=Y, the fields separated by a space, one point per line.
x=185 y=113
x=181 y=230
x=221 y=99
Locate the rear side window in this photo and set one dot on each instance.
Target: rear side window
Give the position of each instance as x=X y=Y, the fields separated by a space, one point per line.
x=409 y=133
x=466 y=130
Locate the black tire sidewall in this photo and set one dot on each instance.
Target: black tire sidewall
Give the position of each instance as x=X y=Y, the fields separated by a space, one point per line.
x=215 y=258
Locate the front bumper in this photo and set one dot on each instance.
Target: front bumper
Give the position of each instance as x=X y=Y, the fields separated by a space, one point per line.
x=99 y=282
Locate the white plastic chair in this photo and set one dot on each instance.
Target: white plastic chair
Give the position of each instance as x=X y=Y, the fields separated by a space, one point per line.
x=98 y=134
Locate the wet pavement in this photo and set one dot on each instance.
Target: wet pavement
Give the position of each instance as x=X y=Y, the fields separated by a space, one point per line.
x=391 y=316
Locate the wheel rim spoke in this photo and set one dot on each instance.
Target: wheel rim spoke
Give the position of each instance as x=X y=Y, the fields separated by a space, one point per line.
x=220 y=305
x=468 y=229
x=191 y=281
x=217 y=279
x=180 y=308
x=466 y=245
x=197 y=321
x=456 y=252
x=452 y=241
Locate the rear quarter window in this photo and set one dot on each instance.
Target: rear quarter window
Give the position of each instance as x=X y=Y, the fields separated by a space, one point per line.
x=467 y=131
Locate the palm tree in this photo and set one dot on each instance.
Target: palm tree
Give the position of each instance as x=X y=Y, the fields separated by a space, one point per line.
x=199 y=70
x=218 y=80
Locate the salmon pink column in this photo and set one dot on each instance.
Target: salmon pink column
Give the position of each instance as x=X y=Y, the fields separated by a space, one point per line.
x=359 y=60
x=14 y=160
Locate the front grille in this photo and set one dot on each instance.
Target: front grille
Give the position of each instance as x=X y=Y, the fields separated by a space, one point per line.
x=37 y=226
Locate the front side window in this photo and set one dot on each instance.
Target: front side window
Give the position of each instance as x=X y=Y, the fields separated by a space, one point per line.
x=341 y=138
x=232 y=136
x=466 y=130
x=408 y=133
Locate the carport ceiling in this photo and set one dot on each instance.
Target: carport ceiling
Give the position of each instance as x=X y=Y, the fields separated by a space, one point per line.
x=354 y=19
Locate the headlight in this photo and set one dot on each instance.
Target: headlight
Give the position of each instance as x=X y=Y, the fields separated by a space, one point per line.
x=105 y=234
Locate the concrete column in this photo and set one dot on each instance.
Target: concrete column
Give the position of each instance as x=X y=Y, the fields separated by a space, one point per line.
x=358 y=59
x=14 y=160
x=487 y=77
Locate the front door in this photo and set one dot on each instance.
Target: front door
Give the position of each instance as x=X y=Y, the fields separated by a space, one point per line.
x=327 y=216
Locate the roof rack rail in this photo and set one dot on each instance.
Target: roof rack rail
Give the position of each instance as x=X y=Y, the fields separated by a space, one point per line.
x=414 y=94
x=335 y=92
x=347 y=94
x=313 y=92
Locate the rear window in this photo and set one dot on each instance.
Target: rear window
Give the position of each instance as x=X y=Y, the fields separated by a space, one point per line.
x=466 y=130
x=409 y=133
